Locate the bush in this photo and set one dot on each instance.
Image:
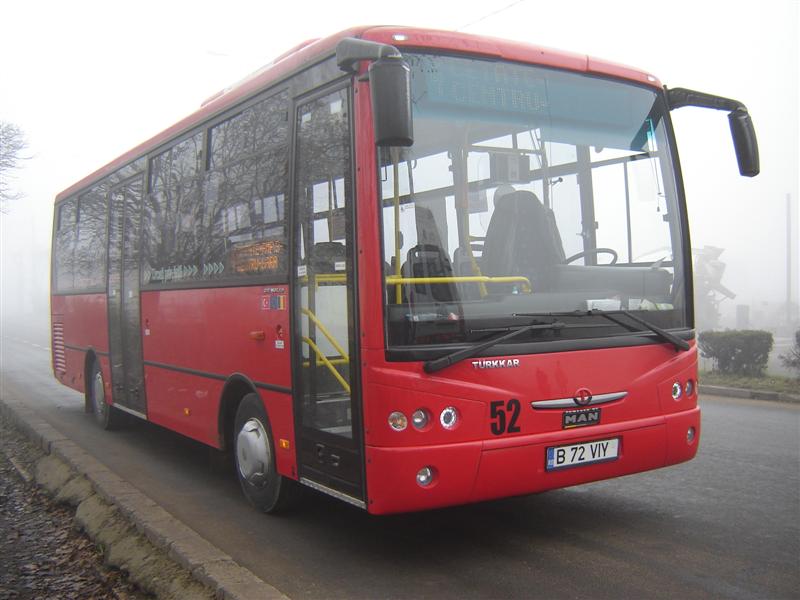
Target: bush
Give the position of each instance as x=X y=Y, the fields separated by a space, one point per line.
x=791 y=360
x=737 y=352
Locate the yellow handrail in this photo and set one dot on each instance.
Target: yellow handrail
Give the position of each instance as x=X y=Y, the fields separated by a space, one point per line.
x=483 y=279
x=328 y=364
x=395 y=280
x=326 y=333
x=333 y=361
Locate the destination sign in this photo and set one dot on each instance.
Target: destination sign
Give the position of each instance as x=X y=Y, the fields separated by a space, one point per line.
x=257 y=257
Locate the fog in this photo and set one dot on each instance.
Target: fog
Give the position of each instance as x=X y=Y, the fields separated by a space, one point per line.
x=88 y=81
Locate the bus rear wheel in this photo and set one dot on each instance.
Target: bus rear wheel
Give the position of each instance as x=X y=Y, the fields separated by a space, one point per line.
x=105 y=415
x=254 y=455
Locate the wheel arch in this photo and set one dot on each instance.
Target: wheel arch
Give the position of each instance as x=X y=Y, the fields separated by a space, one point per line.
x=88 y=363
x=236 y=387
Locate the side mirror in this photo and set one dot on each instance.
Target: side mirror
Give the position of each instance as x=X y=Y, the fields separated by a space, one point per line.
x=744 y=134
x=744 y=142
x=390 y=88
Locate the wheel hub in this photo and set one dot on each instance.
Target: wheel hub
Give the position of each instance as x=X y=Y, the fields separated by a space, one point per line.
x=253 y=452
x=98 y=394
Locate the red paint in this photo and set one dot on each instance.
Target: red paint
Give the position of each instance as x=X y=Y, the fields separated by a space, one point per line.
x=85 y=322
x=473 y=464
x=210 y=331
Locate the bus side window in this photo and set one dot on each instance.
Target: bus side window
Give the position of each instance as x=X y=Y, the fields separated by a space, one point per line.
x=244 y=212
x=91 y=239
x=63 y=277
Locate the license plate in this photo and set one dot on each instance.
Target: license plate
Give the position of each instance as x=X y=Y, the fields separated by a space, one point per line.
x=574 y=455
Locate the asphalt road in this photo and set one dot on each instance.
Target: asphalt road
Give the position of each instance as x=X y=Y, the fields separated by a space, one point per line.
x=724 y=525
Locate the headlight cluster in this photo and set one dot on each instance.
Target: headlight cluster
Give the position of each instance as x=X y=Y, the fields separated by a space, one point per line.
x=421 y=419
x=687 y=389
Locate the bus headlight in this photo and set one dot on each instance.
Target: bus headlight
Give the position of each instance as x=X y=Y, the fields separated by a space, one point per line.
x=420 y=418
x=676 y=391
x=449 y=417
x=398 y=421
x=688 y=389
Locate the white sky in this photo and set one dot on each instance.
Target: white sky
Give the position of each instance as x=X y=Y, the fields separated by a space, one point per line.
x=89 y=80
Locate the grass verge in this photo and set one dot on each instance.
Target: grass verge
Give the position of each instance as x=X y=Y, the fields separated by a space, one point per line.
x=769 y=383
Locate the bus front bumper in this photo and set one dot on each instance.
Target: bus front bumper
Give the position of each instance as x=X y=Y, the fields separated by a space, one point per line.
x=513 y=466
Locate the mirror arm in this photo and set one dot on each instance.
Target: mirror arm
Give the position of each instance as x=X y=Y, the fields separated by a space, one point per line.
x=350 y=51
x=679 y=97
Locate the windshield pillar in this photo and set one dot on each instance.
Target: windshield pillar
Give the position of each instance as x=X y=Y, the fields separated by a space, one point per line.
x=588 y=222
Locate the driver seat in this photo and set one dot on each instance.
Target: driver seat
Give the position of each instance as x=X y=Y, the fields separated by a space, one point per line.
x=523 y=239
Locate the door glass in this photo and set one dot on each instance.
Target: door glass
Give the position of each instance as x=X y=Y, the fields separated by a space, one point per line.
x=130 y=296
x=324 y=267
x=115 y=229
x=125 y=342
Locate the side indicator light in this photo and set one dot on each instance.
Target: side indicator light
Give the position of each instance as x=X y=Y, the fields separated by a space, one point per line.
x=285 y=444
x=187 y=412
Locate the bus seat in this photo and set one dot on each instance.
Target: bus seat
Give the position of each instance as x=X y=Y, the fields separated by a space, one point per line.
x=522 y=239
x=428 y=260
x=325 y=255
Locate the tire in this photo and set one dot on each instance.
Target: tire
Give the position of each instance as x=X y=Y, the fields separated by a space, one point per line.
x=105 y=415
x=254 y=455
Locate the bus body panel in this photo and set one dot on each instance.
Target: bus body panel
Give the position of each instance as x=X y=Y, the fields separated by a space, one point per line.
x=80 y=323
x=645 y=373
x=194 y=340
x=473 y=462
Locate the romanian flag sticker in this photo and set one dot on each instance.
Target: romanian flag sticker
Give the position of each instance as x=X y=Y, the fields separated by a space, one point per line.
x=273 y=302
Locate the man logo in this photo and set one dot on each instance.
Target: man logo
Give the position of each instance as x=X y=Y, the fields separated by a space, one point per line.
x=582 y=397
x=580 y=418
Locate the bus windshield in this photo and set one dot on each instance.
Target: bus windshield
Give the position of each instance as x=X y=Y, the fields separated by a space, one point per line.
x=527 y=191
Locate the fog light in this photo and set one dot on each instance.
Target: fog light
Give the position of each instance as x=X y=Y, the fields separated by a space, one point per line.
x=398 y=421
x=676 y=391
x=420 y=418
x=690 y=433
x=688 y=389
x=449 y=417
x=425 y=476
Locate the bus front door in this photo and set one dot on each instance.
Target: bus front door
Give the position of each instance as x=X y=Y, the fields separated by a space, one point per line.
x=125 y=339
x=327 y=406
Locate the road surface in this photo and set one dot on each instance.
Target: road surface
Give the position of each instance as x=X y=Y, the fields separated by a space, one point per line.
x=724 y=525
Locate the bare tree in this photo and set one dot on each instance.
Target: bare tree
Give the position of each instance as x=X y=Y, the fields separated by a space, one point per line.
x=12 y=144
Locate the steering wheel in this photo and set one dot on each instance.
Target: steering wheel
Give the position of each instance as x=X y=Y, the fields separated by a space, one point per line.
x=594 y=251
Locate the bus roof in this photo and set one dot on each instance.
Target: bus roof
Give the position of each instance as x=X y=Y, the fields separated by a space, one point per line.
x=315 y=50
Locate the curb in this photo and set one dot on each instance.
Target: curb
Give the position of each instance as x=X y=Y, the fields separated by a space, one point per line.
x=719 y=390
x=109 y=506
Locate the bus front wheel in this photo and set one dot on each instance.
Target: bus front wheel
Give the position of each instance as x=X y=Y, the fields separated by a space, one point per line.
x=263 y=487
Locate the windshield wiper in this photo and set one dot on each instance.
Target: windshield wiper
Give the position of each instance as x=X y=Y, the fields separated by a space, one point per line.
x=438 y=364
x=663 y=334
x=611 y=316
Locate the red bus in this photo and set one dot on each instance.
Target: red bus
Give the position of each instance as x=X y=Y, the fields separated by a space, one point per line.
x=406 y=268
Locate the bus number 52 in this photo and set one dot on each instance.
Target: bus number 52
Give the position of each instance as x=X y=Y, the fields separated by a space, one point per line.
x=504 y=416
